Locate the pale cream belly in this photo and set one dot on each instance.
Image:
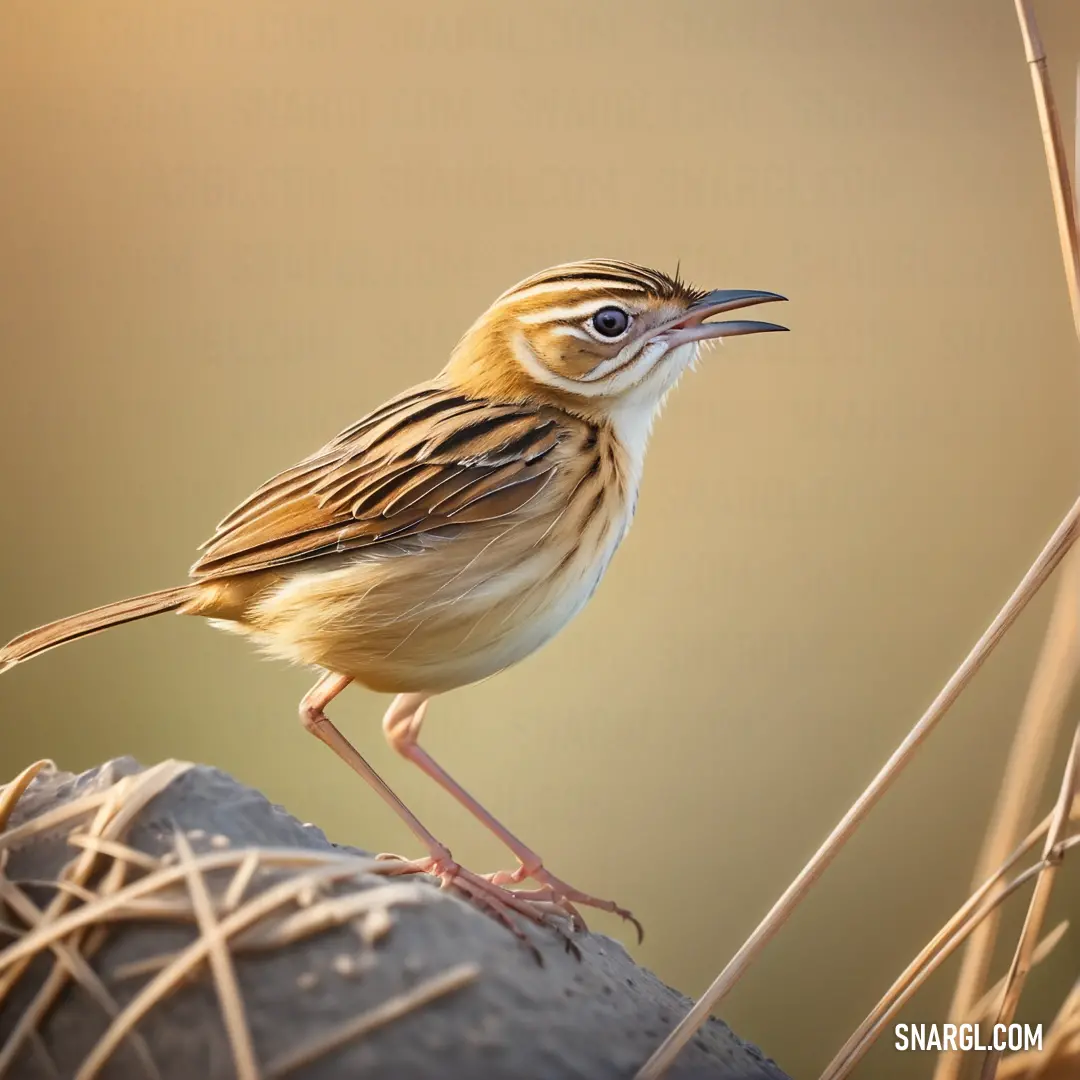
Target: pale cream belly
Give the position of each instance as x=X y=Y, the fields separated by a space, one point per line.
x=430 y=621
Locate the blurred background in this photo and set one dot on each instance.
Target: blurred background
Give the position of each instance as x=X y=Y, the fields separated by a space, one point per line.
x=228 y=231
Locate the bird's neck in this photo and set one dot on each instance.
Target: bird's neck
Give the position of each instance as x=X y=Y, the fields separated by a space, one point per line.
x=484 y=366
x=633 y=414
x=631 y=424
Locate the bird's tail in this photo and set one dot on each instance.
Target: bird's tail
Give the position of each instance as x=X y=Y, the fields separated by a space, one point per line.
x=90 y=622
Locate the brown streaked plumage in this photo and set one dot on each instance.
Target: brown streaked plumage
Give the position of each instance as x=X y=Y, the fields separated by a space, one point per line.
x=455 y=529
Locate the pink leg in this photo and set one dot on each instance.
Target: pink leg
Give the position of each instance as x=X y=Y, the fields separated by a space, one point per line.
x=319 y=724
x=401 y=725
x=439 y=861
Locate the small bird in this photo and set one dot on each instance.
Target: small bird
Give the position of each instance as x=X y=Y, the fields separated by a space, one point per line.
x=458 y=527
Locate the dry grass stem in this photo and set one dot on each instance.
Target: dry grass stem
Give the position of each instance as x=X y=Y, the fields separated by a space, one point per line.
x=388 y=1011
x=1044 y=565
x=1025 y=772
x=119 y=906
x=1059 y=1058
x=71 y=965
x=245 y=872
x=11 y=793
x=985 y=900
x=1056 y=160
x=1040 y=900
x=221 y=966
x=187 y=960
x=1064 y=202
x=109 y=883
x=41 y=1052
x=77 y=808
x=114 y=850
x=1057 y=666
x=333 y=911
x=112 y=815
x=842 y=1068
x=990 y=1002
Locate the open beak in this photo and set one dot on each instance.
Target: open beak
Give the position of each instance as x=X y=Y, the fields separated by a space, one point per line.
x=691 y=325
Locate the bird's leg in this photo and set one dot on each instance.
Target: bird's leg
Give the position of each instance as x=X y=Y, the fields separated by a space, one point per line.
x=319 y=724
x=401 y=725
x=439 y=861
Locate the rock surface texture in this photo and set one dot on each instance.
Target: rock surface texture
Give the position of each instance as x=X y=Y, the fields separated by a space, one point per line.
x=343 y=972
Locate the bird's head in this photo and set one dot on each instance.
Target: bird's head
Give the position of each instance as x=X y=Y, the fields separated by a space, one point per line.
x=591 y=336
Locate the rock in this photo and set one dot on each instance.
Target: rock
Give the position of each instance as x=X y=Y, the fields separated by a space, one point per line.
x=482 y=1006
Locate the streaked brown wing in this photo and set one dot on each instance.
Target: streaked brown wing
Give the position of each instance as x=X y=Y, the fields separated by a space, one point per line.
x=427 y=460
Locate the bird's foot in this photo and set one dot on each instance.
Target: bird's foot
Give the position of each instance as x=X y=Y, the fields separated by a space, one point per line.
x=490 y=897
x=558 y=895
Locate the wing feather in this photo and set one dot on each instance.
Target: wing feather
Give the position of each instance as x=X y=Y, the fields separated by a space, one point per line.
x=421 y=465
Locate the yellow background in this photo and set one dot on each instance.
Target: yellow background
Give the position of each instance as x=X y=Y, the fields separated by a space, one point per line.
x=226 y=231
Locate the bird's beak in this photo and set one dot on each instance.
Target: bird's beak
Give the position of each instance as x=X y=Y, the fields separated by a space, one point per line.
x=691 y=325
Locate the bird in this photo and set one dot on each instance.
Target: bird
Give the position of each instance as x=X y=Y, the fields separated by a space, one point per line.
x=455 y=529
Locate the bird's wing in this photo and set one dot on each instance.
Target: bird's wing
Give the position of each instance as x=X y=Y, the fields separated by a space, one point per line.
x=425 y=463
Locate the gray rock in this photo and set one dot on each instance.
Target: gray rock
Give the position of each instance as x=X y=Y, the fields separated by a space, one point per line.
x=590 y=1018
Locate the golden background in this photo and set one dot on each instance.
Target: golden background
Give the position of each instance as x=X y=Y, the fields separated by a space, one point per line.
x=226 y=231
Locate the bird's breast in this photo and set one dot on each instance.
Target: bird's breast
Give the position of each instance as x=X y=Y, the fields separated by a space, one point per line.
x=469 y=604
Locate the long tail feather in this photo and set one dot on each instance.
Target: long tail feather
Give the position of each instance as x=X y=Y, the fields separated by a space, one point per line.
x=90 y=622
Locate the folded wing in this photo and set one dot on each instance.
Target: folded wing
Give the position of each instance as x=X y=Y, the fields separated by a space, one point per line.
x=424 y=464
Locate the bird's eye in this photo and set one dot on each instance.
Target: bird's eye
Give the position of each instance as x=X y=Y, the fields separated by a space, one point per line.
x=610 y=322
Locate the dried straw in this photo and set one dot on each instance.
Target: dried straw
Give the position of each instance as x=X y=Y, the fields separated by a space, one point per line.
x=1055 y=675
x=109 y=884
x=1029 y=758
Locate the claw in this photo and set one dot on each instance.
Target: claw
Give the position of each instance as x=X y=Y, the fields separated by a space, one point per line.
x=491 y=893
x=494 y=900
x=563 y=897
